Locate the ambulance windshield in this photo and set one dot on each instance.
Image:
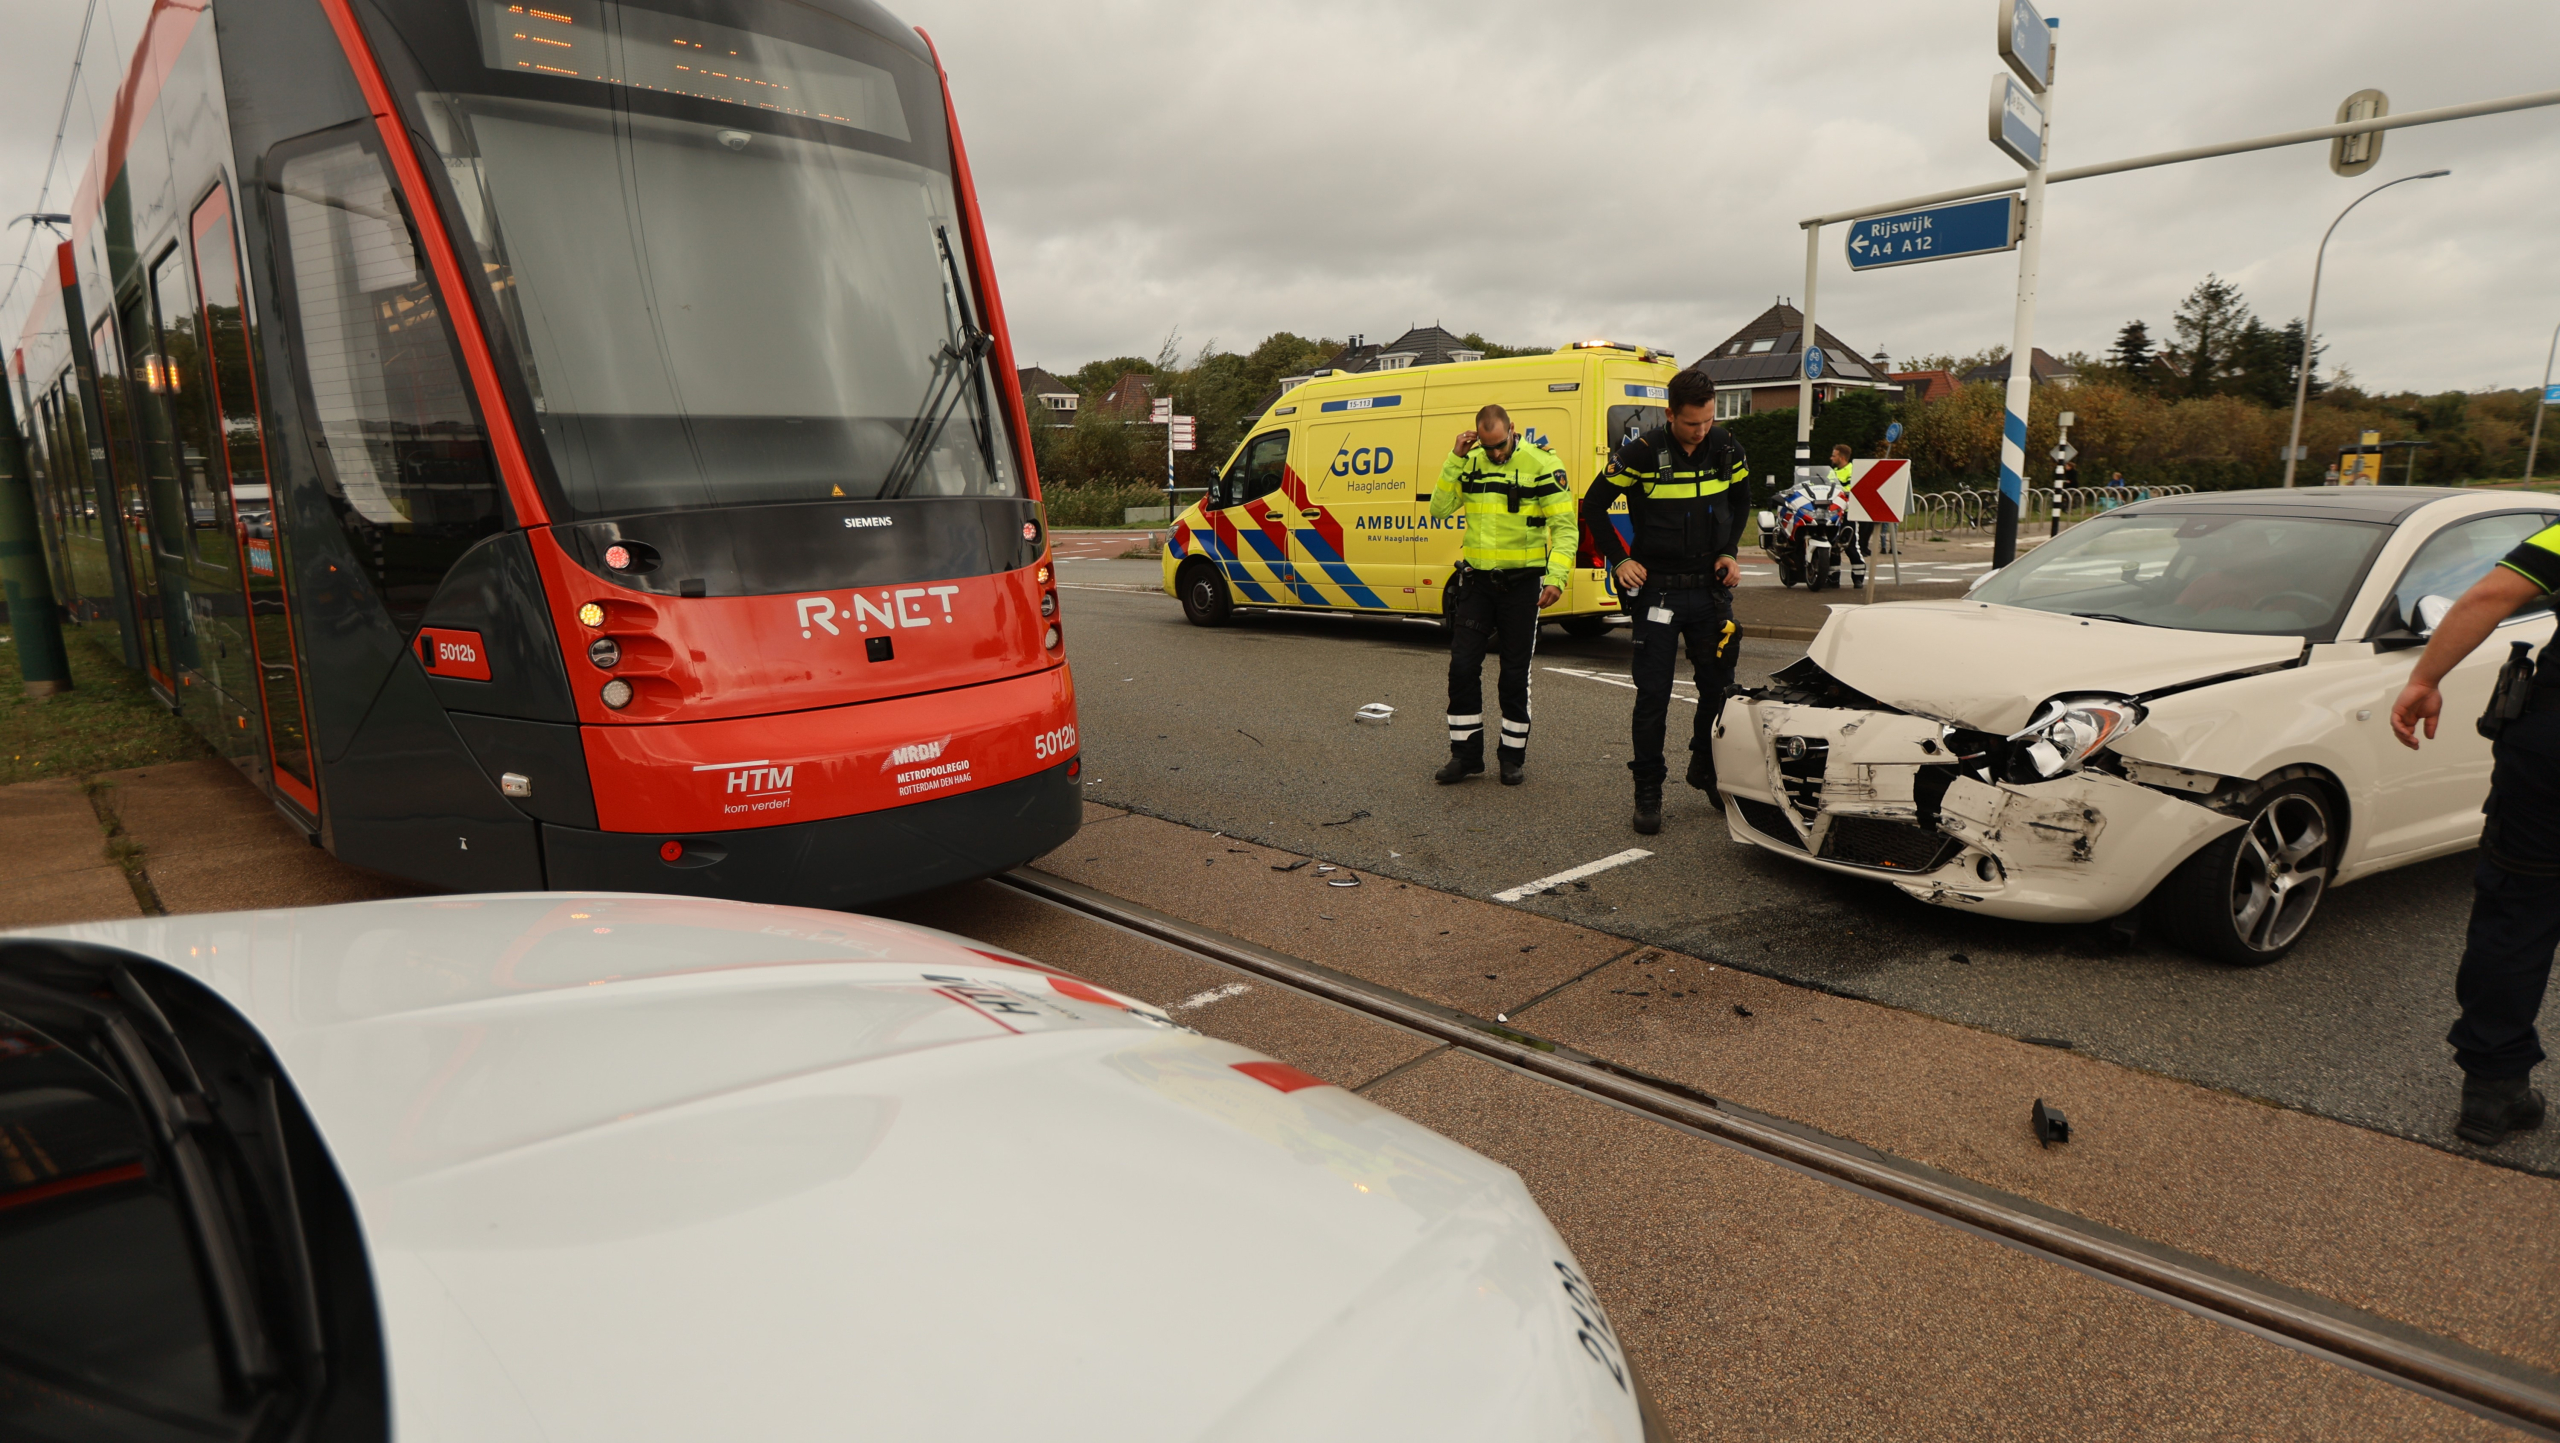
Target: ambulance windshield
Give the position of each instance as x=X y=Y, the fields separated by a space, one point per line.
x=728 y=255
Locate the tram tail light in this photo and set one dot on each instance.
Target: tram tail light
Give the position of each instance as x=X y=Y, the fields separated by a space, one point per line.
x=591 y=614
x=1048 y=603
x=671 y=851
x=605 y=652
x=1053 y=639
x=617 y=694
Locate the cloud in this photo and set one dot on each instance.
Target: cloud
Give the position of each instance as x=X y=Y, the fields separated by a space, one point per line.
x=1542 y=172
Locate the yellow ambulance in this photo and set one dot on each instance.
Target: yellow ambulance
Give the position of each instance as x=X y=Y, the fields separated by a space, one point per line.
x=1326 y=504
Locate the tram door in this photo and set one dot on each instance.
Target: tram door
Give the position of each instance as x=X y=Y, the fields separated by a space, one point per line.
x=239 y=462
x=130 y=524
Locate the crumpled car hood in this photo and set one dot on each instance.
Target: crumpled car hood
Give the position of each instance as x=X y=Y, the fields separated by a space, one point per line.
x=1989 y=667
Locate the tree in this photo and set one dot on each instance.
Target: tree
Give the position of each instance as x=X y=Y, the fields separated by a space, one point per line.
x=2132 y=352
x=2208 y=323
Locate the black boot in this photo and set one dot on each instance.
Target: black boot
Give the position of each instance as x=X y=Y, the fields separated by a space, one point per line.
x=1702 y=775
x=1512 y=774
x=1649 y=809
x=1458 y=770
x=2492 y=1107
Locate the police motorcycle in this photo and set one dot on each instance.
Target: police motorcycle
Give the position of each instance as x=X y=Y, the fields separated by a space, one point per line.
x=1806 y=532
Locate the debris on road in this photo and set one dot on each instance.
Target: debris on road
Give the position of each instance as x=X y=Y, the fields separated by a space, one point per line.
x=2050 y=1125
x=1342 y=881
x=1741 y=1011
x=1376 y=712
x=1290 y=866
x=1347 y=821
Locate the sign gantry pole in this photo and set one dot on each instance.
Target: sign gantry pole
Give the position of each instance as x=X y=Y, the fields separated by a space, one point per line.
x=2539 y=406
x=1806 y=344
x=2013 y=433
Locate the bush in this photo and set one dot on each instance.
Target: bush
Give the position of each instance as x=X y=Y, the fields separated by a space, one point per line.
x=1098 y=503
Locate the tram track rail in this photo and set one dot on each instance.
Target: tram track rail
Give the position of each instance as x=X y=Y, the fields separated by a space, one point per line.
x=2454 y=1372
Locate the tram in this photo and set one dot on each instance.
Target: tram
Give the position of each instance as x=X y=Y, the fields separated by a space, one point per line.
x=566 y=444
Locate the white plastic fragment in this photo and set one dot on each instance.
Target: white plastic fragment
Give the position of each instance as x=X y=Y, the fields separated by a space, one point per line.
x=1376 y=712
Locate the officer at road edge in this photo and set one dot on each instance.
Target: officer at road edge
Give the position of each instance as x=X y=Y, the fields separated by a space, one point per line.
x=1512 y=565
x=1861 y=534
x=2515 y=900
x=1688 y=486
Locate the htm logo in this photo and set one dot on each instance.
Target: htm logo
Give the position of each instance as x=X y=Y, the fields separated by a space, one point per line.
x=918 y=752
x=758 y=778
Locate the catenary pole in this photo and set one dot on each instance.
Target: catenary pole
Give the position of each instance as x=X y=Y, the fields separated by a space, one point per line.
x=2540 y=405
x=2311 y=316
x=2013 y=425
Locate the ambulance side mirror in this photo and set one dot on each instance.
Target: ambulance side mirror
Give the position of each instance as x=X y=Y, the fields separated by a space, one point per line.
x=1768 y=520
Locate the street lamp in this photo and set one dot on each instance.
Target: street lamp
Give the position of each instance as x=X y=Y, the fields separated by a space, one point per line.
x=2539 y=404
x=2302 y=377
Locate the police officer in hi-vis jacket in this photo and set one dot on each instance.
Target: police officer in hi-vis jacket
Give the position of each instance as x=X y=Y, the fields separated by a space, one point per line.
x=2515 y=897
x=1518 y=548
x=1688 y=486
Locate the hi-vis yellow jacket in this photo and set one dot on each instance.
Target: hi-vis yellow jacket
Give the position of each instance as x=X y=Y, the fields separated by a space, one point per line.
x=1519 y=512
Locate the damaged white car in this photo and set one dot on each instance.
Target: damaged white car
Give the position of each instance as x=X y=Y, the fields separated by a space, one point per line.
x=2185 y=702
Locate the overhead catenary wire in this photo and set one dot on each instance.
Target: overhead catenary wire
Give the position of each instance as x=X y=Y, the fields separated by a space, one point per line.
x=61 y=123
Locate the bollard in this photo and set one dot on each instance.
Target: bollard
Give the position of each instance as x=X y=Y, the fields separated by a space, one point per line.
x=32 y=618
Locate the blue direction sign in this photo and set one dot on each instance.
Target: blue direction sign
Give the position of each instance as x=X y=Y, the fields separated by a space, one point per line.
x=2551 y=395
x=2017 y=122
x=1935 y=233
x=1813 y=363
x=2027 y=45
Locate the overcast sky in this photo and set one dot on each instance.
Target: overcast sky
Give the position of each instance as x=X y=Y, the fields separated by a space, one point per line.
x=1540 y=172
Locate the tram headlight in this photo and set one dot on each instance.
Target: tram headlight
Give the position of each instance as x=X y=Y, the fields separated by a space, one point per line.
x=1052 y=639
x=605 y=652
x=1048 y=603
x=617 y=693
x=591 y=614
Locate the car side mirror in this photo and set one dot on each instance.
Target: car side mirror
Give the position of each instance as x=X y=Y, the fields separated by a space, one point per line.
x=2431 y=612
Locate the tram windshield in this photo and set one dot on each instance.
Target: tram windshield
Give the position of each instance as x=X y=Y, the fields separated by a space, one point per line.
x=727 y=249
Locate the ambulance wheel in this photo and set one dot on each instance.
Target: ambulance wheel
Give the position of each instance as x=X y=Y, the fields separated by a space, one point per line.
x=1205 y=598
x=1585 y=627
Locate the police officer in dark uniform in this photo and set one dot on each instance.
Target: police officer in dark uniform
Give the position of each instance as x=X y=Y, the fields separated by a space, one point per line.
x=1688 y=488
x=2515 y=900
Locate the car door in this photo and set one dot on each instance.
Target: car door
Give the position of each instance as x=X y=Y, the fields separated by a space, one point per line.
x=1250 y=542
x=2430 y=798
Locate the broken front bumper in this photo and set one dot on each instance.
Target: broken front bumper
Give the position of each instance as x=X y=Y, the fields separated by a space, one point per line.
x=1877 y=794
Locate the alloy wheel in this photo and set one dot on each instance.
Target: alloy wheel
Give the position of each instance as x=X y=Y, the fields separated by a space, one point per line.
x=2279 y=871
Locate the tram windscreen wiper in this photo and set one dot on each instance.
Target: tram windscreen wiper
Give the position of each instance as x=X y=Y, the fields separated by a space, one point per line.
x=956 y=367
x=2111 y=616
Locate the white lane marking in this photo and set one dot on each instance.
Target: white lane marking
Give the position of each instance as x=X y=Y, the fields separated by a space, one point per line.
x=1622 y=681
x=1215 y=994
x=1572 y=874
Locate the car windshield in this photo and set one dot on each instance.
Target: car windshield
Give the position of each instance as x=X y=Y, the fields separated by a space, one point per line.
x=728 y=254
x=2264 y=575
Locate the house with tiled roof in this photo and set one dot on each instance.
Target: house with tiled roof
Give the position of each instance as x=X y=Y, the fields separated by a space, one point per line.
x=1049 y=400
x=2042 y=370
x=1756 y=368
x=1130 y=398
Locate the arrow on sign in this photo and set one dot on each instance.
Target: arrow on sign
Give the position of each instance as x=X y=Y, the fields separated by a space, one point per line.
x=1877 y=479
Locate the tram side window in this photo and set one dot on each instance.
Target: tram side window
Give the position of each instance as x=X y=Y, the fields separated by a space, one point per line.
x=179 y=377
x=405 y=458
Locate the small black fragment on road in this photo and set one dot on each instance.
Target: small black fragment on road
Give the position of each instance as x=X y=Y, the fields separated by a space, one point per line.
x=2050 y=1125
x=1959 y=957
x=1347 y=821
x=1741 y=1011
x=2063 y=1043
x=1291 y=866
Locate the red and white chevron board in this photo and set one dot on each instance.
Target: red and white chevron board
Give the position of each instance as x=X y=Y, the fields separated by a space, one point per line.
x=1879 y=490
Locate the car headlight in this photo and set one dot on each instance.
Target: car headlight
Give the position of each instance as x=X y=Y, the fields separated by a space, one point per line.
x=2071 y=727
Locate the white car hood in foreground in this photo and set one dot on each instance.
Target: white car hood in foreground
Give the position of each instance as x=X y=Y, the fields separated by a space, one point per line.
x=638 y=1168
x=1989 y=667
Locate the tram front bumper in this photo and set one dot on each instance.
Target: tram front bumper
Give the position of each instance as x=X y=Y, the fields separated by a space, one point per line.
x=844 y=863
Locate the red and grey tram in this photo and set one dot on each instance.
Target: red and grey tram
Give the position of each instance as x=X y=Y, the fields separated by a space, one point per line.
x=563 y=444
